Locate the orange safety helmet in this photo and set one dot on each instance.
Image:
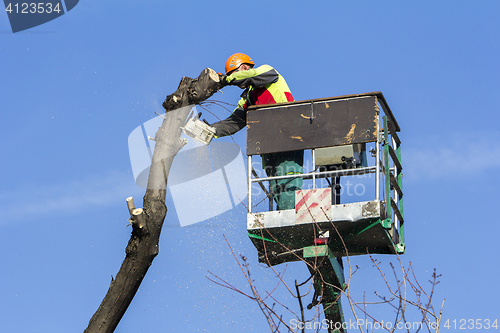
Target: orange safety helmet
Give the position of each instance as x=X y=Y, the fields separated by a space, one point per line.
x=237 y=59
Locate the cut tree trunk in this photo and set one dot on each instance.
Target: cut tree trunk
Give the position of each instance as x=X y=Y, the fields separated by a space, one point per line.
x=142 y=247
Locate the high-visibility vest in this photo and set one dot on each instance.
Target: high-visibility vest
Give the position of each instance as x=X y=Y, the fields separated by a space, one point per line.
x=264 y=86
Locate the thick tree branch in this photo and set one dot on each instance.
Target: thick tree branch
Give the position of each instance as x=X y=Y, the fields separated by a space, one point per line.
x=142 y=247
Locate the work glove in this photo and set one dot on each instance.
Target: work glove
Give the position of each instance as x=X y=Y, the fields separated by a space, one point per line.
x=222 y=80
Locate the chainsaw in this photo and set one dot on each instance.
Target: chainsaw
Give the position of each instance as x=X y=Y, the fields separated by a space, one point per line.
x=199 y=130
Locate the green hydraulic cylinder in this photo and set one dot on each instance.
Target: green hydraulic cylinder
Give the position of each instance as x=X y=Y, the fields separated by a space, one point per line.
x=328 y=284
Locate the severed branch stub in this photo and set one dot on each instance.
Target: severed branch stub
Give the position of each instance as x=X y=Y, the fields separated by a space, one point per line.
x=138 y=217
x=130 y=205
x=147 y=222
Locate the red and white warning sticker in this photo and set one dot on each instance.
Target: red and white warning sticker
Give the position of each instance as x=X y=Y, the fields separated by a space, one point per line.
x=313 y=205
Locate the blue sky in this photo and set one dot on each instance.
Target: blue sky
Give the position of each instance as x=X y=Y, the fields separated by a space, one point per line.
x=73 y=89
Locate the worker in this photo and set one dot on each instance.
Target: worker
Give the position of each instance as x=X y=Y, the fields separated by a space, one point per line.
x=262 y=85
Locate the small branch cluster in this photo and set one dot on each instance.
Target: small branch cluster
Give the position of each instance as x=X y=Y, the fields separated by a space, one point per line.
x=274 y=319
x=403 y=292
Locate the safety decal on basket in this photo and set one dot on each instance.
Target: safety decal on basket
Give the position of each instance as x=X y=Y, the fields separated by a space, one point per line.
x=312 y=205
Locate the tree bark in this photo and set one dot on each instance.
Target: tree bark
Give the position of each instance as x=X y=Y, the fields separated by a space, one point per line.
x=142 y=247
